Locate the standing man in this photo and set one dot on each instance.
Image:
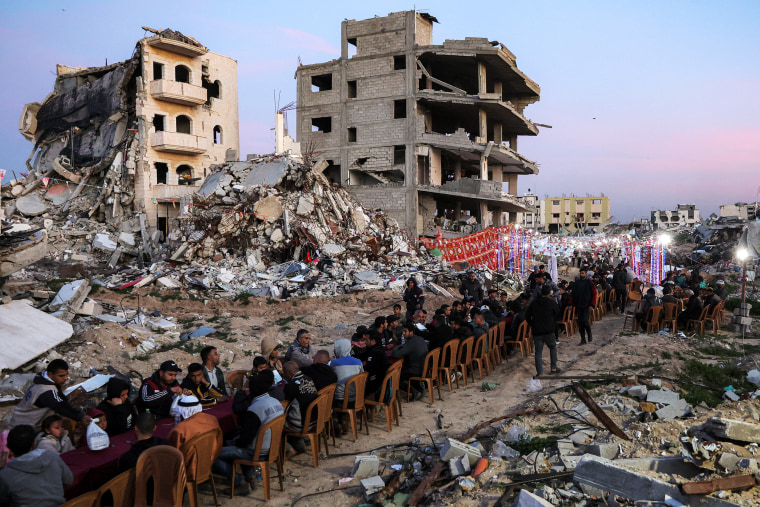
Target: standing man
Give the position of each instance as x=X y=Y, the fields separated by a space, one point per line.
x=620 y=284
x=542 y=315
x=158 y=390
x=584 y=297
x=300 y=351
x=471 y=289
x=413 y=296
x=45 y=397
x=211 y=371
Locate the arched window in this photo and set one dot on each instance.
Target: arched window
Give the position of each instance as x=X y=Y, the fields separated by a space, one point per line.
x=182 y=74
x=217 y=134
x=185 y=175
x=184 y=124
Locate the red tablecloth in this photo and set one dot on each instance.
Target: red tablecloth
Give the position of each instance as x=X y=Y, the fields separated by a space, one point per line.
x=92 y=469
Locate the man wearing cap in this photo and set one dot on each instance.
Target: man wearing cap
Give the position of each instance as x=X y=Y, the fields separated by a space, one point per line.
x=211 y=371
x=191 y=422
x=471 y=289
x=158 y=390
x=200 y=387
x=721 y=290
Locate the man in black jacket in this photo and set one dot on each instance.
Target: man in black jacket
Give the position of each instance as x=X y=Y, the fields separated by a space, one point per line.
x=619 y=283
x=584 y=296
x=542 y=316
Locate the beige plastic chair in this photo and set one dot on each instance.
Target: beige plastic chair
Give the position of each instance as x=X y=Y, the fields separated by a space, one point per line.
x=166 y=466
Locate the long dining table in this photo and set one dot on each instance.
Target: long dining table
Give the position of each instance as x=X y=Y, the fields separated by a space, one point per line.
x=92 y=469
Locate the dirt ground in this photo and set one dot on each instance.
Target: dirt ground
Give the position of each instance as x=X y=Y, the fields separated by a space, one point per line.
x=241 y=328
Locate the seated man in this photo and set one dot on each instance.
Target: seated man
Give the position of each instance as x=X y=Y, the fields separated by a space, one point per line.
x=118 y=410
x=158 y=390
x=300 y=391
x=650 y=300
x=300 y=351
x=35 y=476
x=263 y=408
x=320 y=370
x=191 y=422
x=145 y=425
x=45 y=397
x=414 y=350
x=211 y=371
x=201 y=388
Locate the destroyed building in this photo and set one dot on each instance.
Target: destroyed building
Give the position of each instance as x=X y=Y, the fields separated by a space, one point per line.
x=132 y=137
x=426 y=132
x=685 y=215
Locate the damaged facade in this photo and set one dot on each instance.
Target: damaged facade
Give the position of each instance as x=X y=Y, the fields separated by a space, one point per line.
x=426 y=132
x=132 y=137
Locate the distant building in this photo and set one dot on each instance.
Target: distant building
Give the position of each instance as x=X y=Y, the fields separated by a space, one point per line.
x=531 y=220
x=428 y=133
x=740 y=210
x=685 y=215
x=574 y=214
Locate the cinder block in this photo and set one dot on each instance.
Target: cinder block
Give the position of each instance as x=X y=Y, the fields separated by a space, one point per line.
x=453 y=448
x=662 y=396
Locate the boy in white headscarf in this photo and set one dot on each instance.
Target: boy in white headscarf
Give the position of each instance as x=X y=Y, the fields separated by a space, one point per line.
x=193 y=422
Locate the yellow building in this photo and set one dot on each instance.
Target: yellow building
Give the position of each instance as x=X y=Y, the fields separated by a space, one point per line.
x=575 y=214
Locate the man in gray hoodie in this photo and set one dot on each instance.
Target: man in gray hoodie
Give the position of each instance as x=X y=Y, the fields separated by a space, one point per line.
x=35 y=477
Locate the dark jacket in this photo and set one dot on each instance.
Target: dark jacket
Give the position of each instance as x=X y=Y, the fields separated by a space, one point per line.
x=619 y=280
x=413 y=297
x=376 y=366
x=36 y=478
x=128 y=460
x=542 y=316
x=472 y=289
x=322 y=374
x=121 y=418
x=414 y=350
x=583 y=293
x=156 y=398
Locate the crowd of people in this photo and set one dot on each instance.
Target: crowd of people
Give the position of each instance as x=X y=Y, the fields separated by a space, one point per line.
x=286 y=380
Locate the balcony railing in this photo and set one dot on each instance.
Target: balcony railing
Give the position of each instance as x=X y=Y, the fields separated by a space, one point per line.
x=178 y=93
x=175 y=142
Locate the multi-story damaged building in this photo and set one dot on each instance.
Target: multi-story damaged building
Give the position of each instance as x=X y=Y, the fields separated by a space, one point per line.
x=137 y=135
x=426 y=132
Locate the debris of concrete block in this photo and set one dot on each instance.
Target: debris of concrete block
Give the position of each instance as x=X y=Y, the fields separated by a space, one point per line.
x=31 y=331
x=662 y=396
x=528 y=499
x=733 y=429
x=103 y=241
x=365 y=466
x=452 y=448
x=459 y=465
x=678 y=409
x=731 y=396
x=729 y=461
x=639 y=392
x=372 y=485
x=606 y=451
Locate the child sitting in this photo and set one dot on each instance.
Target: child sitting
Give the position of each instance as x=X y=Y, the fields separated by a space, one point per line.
x=53 y=437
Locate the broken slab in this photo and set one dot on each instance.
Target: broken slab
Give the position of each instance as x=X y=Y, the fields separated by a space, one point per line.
x=31 y=331
x=452 y=448
x=662 y=396
x=31 y=205
x=528 y=499
x=365 y=467
x=733 y=429
x=607 y=475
